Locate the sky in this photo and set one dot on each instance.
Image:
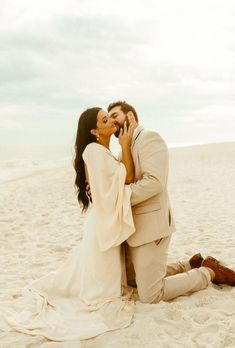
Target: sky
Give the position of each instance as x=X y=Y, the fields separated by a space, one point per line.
x=174 y=61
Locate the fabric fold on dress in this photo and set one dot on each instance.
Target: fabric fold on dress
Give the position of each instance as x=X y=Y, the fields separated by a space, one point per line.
x=84 y=297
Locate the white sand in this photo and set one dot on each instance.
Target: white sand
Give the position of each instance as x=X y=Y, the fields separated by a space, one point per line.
x=40 y=223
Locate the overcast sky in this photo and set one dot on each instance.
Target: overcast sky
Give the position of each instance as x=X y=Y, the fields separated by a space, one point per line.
x=173 y=60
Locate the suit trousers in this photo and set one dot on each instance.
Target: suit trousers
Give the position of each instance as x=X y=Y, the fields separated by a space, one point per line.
x=155 y=280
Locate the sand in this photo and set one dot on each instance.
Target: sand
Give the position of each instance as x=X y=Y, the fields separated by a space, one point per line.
x=40 y=223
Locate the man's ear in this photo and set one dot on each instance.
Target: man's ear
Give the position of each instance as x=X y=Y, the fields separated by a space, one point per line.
x=131 y=118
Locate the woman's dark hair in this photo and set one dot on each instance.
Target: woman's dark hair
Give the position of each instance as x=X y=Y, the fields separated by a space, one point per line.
x=86 y=122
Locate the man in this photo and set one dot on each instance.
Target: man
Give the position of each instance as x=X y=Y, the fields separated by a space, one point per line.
x=147 y=247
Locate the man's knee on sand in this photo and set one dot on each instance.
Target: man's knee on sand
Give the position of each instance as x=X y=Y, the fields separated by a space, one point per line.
x=151 y=299
x=151 y=295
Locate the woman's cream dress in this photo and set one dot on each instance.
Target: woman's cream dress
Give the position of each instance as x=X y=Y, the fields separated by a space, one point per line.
x=84 y=297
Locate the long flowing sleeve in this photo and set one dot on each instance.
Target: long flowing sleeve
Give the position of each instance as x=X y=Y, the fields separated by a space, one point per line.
x=110 y=196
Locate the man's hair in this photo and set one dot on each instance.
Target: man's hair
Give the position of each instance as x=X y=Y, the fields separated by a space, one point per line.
x=125 y=107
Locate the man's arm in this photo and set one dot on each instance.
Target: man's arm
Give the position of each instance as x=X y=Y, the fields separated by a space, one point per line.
x=153 y=157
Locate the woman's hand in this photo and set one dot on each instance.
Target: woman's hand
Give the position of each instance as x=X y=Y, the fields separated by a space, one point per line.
x=88 y=191
x=125 y=135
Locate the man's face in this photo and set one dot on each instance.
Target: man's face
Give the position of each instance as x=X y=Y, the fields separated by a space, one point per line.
x=119 y=117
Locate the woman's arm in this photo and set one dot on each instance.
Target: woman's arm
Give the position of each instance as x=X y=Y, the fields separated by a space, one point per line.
x=125 y=138
x=113 y=221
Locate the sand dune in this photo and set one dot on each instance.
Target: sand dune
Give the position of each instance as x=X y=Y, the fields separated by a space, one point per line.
x=40 y=223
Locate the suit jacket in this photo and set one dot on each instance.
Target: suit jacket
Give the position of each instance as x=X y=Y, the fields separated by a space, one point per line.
x=149 y=199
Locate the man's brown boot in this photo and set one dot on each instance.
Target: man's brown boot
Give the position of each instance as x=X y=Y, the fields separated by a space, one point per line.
x=223 y=275
x=196 y=261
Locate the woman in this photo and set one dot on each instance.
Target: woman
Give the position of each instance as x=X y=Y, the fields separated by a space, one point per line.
x=85 y=297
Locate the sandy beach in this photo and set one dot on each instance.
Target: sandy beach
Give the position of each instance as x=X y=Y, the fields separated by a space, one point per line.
x=40 y=223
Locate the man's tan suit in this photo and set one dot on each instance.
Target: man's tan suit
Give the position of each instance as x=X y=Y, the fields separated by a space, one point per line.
x=154 y=222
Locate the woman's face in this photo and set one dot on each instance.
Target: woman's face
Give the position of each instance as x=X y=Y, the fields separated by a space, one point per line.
x=105 y=124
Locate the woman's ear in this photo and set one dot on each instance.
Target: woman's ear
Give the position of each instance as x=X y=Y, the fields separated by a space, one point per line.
x=94 y=132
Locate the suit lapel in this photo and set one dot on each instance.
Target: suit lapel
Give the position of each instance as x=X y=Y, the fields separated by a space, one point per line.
x=136 y=134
